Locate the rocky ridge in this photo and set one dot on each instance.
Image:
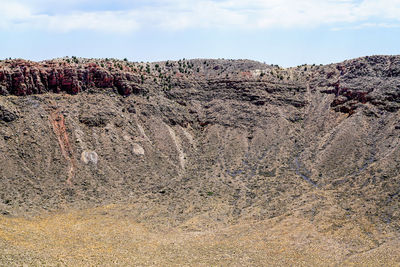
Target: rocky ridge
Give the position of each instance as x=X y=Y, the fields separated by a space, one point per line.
x=201 y=143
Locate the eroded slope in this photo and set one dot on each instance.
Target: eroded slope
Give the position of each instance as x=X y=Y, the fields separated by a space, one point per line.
x=201 y=144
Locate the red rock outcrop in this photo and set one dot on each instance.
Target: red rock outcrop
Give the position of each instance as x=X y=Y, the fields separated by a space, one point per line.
x=354 y=83
x=25 y=78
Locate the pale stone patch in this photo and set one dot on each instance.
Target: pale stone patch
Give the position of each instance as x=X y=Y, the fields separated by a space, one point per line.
x=89 y=157
x=178 y=145
x=138 y=149
x=257 y=72
x=142 y=132
x=188 y=136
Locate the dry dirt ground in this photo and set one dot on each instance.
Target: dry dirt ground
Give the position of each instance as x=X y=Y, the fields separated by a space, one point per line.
x=109 y=235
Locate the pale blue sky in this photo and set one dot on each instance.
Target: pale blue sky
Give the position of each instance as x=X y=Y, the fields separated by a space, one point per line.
x=284 y=32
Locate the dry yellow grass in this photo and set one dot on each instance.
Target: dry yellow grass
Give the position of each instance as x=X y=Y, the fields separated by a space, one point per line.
x=109 y=236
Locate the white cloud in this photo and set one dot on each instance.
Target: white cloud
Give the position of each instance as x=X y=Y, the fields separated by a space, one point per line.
x=14 y=15
x=12 y=12
x=99 y=21
x=367 y=25
x=185 y=14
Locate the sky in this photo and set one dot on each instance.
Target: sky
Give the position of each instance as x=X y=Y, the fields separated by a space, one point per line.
x=283 y=32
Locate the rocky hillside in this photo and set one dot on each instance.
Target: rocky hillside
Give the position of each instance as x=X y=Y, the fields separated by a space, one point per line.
x=216 y=140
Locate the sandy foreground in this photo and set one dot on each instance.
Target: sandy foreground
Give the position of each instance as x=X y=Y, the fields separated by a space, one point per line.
x=108 y=236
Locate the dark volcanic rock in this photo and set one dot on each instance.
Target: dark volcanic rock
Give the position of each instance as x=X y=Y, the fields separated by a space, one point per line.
x=96 y=120
x=373 y=80
x=7 y=115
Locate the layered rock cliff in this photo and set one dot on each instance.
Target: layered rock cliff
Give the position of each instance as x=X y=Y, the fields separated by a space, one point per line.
x=218 y=139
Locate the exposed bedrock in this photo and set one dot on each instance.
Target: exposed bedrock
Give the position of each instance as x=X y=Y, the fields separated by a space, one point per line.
x=225 y=138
